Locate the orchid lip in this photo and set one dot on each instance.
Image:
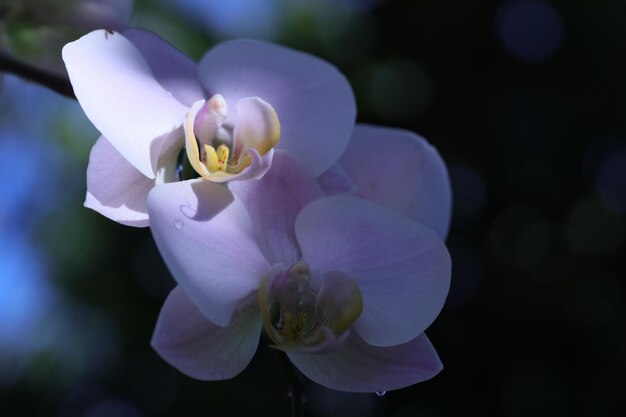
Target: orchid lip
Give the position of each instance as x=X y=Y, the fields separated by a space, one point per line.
x=298 y=316
x=220 y=147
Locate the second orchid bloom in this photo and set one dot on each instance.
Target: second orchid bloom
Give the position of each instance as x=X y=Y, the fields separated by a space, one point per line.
x=345 y=287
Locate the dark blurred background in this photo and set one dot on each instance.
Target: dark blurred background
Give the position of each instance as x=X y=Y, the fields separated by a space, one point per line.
x=525 y=100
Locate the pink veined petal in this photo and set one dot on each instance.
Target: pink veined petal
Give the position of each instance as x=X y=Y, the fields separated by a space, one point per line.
x=336 y=181
x=274 y=202
x=359 y=367
x=206 y=240
x=401 y=171
x=120 y=95
x=174 y=70
x=115 y=188
x=200 y=349
x=402 y=268
x=313 y=100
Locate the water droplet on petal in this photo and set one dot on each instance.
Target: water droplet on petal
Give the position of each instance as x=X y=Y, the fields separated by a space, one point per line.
x=188 y=211
x=178 y=224
x=381 y=393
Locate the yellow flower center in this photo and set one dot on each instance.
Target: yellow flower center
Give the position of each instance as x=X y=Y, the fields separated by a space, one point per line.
x=297 y=316
x=219 y=149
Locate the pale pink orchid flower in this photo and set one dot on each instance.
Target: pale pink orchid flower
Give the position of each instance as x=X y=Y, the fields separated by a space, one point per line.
x=243 y=100
x=342 y=285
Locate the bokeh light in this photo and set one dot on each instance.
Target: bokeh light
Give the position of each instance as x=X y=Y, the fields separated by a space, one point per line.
x=594 y=231
x=26 y=298
x=531 y=31
x=396 y=90
x=235 y=18
x=470 y=192
x=610 y=181
x=113 y=407
x=469 y=272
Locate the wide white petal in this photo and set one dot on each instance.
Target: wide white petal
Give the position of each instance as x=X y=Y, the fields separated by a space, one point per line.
x=313 y=100
x=120 y=95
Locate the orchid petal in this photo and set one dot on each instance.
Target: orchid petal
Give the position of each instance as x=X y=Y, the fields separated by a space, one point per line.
x=206 y=240
x=191 y=142
x=274 y=202
x=257 y=168
x=120 y=95
x=402 y=267
x=115 y=188
x=359 y=367
x=257 y=126
x=204 y=121
x=201 y=349
x=174 y=70
x=313 y=100
x=401 y=171
x=336 y=181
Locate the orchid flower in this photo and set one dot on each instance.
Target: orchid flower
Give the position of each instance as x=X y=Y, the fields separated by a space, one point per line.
x=232 y=110
x=342 y=285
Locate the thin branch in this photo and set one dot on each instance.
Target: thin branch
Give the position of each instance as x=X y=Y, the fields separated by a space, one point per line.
x=26 y=71
x=294 y=382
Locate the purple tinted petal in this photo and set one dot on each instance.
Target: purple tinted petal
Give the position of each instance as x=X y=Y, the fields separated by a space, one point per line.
x=313 y=100
x=402 y=267
x=115 y=188
x=401 y=171
x=176 y=72
x=120 y=95
x=274 y=202
x=257 y=126
x=257 y=168
x=206 y=240
x=336 y=181
x=199 y=348
x=359 y=367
